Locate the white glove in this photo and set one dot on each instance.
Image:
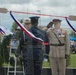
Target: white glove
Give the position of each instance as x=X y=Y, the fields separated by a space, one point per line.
x=45 y=60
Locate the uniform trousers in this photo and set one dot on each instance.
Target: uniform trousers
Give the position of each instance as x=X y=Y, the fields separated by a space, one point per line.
x=58 y=65
x=34 y=66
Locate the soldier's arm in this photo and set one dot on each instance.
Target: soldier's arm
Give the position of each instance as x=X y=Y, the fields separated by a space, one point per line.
x=20 y=47
x=47 y=47
x=48 y=32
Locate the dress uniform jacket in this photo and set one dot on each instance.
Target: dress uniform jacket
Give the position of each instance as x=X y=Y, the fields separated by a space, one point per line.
x=33 y=51
x=59 y=48
x=59 y=51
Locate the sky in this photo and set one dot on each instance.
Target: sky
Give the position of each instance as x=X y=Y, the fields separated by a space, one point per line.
x=52 y=7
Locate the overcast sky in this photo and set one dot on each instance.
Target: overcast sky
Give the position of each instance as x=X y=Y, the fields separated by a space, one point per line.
x=52 y=7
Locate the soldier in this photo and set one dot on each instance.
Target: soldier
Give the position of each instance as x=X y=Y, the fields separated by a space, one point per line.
x=21 y=49
x=33 y=50
x=27 y=23
x=59 y=48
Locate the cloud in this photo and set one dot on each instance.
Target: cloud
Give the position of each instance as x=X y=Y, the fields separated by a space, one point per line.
x=15 y=1
x=47 y=6
x=51 y=7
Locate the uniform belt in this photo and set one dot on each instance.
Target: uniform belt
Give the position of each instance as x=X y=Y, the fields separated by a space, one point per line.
x=57 y=44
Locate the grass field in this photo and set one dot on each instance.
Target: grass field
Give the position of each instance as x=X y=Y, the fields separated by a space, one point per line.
x=73 y=61
x=71 y=65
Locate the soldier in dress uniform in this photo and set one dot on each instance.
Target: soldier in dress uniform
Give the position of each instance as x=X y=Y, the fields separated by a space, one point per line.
x=59 y=48
x=33 y=51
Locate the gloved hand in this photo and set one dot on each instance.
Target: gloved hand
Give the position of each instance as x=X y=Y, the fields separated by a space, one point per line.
x=46 y=57
x=45 y=60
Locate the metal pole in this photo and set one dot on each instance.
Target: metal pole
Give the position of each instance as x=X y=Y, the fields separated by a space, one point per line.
x=40 y=16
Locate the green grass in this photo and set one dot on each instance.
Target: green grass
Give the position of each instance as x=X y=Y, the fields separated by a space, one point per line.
x=72 y=61
x=71 y=65
x=46 y=64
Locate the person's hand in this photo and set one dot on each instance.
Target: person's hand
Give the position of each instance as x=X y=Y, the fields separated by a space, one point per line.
x=45 y=60
x=46 y=57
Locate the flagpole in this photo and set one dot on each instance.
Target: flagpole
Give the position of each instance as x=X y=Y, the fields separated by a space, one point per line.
x=40 y=16
x=27 y=12
x=70 y=17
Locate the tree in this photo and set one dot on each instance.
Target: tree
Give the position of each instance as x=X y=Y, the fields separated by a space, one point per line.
x=4 y=51
x=73 y=34
x=16 y=31
x=1 y=60
x=14 y=26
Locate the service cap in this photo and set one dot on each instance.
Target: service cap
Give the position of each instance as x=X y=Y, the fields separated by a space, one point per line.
x=27 y=21
x=34 y=19
x=56 y=20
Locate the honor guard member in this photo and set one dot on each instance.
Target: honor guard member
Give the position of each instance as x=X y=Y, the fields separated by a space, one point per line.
x=20 y=52
x=59 y=48
x=33 y=51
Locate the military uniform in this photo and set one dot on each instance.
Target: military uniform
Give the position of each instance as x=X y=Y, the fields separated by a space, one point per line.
x=58 y=50
x=33 y=51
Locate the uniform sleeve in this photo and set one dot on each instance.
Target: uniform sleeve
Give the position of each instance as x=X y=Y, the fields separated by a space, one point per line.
x=47 y=47
x=20 y=46
x=48 y=32
x=67 y=44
